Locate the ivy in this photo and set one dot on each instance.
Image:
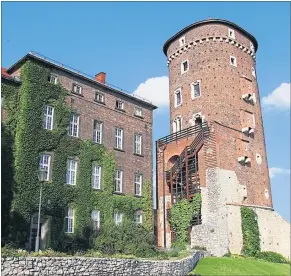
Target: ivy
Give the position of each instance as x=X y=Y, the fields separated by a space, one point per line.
x=25 y=122
x=181 y=215
x=250 y=231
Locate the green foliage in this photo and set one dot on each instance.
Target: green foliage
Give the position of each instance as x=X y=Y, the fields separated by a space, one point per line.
x=272 y=257
x=197 y=247
x=251 y=234
x=181 y=215
x=25 y=124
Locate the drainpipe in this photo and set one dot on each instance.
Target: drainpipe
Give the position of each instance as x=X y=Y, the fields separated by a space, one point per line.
x=164 y=199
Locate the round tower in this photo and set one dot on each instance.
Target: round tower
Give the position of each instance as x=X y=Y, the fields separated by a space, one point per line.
x=212 y=77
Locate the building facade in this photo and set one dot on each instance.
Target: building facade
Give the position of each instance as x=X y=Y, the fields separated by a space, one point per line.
x=114 y=122
x=216 y=146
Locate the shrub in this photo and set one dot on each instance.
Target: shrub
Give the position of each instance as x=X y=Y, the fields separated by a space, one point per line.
x=197 y=247
x=273 y=257
x=9 y=251
x=179 y=245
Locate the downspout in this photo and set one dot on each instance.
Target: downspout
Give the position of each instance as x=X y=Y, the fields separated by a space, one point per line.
x=164 y=199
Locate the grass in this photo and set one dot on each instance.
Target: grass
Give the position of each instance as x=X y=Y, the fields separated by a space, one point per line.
x=242 y=267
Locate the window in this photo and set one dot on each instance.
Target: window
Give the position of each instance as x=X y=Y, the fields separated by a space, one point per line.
x=137 y=184
x=119 y=105
x=71 y=172
x=97 y=132
x=253 y=72
x=45 y=162
x=53 y=79
x=232 y=61
x=138 y=112
x=96 y=177
x=117 y=218
x=231 y=33
x=252 y=47
x=74 y=125
x=77 y=89
x=70 y=220
x=177 y=124
x=184 y=66
x=118 y=181
x=95 y=217
x=99 y=97
x=182 y=41
x=48 y=117
x=137 y=143
x=196 y=89
x=178 y=97
x=138 y=217
x=118 y=138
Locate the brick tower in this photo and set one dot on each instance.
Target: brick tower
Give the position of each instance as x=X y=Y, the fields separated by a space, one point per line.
x=216 y=146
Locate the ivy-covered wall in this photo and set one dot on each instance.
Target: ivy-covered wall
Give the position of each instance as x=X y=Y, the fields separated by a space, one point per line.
x=25 y=124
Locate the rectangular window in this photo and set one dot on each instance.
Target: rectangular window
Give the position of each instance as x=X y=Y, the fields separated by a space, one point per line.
x=182 y=41
x=95 y=217
x=71 y=172
x=119 y=105
x=138 y=184
x=177 y=124
x=99 y=97
x=137 y=143
x=118 y=181
x=117 y=218
x=53 y=79
x=232 y=61
x=96 y=177
x=178 y=97
x=231 y=33
x=45 y=162
x=138 y=112
x=77 y=89
x=70 y=220
x=48 y=117
x=195 y=89
x=184 y=66
x=74 y=125
x=98 y=132
x=252 y=47
x=138 y=218
x=118 y=138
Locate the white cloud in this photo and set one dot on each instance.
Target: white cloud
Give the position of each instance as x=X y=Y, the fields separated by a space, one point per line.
x=275 y=171
x=279 y=98
x=155 y=90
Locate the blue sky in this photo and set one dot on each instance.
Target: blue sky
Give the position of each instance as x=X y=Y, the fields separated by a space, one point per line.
x=125 y=40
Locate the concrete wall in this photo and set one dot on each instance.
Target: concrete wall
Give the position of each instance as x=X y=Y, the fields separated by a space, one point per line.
x=97 y=266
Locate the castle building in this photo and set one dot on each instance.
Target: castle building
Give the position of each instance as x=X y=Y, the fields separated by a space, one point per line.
x=100 y=113
x=216 y=146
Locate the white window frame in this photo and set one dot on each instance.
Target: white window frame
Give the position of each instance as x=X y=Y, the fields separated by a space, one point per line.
x=95 y=218
x=179 y=90
x=253 y=72
x=71 y=174
x=96 y=176
x=98 y=132
x=118 y=138
x=70 y=220
x=181 y=41
x=45 y=163
x=234 y=59
x=77 y=88
x=252 y=46
x=138 y=218
x=193 y=90
x=118 y=181
x=53 y=79
x=119 y=105
x=48 y=117
x=99 y=97
x=138 y=144
x=74 y=125
x=175 y=129
x=182 y=66
x=231 y=33
x=140 y=113
x=138 y=184
x=118 y=217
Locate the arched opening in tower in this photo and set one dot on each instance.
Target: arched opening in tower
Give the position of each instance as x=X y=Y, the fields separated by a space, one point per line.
x=198 y=121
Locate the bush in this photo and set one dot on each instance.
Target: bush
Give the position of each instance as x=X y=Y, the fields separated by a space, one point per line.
x=9 y=251
x=197 y=247
x=179 y=245
x=273 y=257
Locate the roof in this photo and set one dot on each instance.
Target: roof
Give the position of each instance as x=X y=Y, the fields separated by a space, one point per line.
x=209 y=21
x=60 y=66
x=6 y=76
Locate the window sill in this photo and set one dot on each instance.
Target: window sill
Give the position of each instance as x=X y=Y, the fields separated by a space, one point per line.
x=138 y=116
x=103 y=103
x=136 y=154
x=138 y=196
x=122 y=110
x=68 y=184
x=119 y=149
x=96 y=189
x=75 y=93
x=118 y=193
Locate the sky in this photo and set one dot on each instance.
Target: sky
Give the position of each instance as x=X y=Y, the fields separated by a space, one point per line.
x=125 y=40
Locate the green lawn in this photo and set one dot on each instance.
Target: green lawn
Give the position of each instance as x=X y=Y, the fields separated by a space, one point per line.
x=234 y=267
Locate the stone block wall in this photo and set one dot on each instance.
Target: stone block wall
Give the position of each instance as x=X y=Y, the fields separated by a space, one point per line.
x=80 y=266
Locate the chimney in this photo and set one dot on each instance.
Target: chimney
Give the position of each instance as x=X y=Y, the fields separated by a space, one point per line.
x=100 y=77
